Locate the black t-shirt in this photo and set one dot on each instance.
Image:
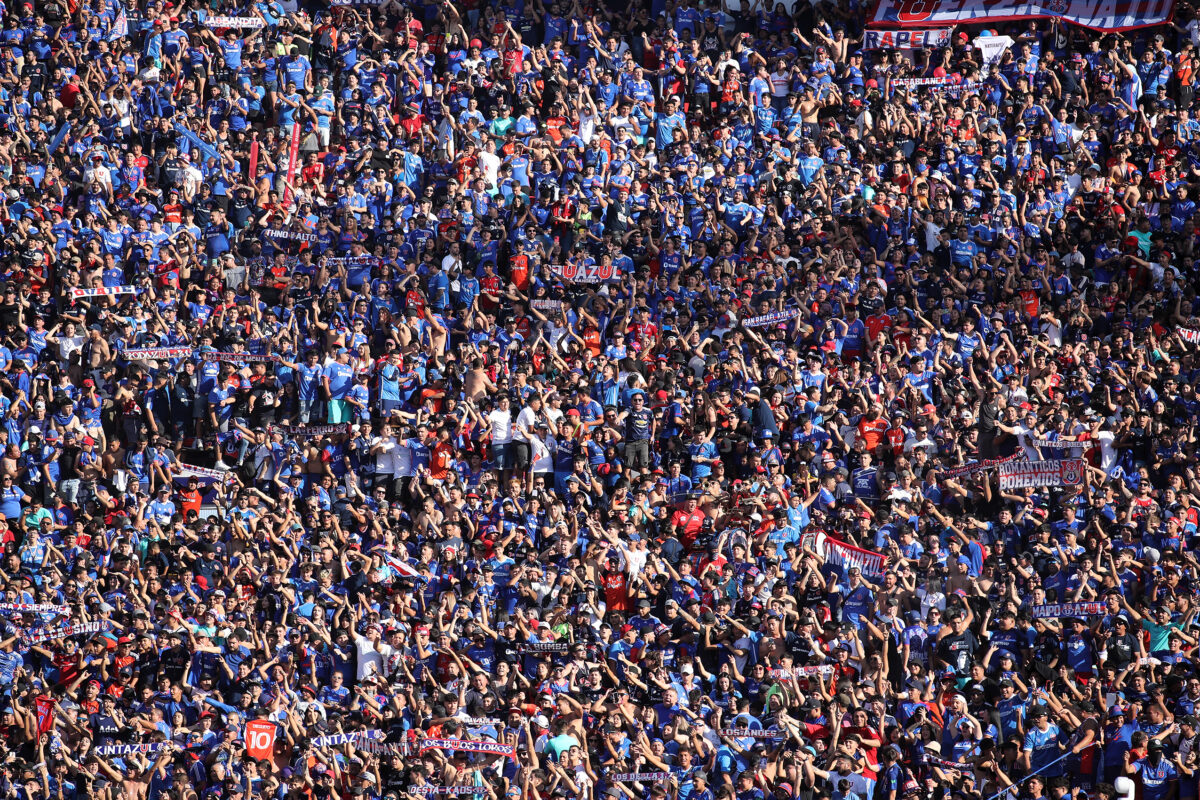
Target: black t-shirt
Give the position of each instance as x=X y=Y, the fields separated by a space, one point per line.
x=637 y=425
x=174 y=662
x=1122 y=650
x=104 y=728
x=506 y=651
x=958 y=650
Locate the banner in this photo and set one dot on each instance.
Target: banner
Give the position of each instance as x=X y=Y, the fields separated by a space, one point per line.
x=278 y=234
x=104 y=291
x=293 y=154
x=991 y=48
x=57 y=141
x=188 y=471
x=120 y=27
x=404 y=748
x=942 y=763
x=35 y=608
x=547 y=305
x=585 y=273
x=544 y=647
x=746 y=733
x=979 y=466
x=1051 y=610
x=906 y=39
x=400 y=566
x=480 y=722
x=840 y=554
x=801 y=672
x=463 y=745
x=135 y=353
x=1189 y=335
x=1114 y=16
x=365 y=260
x=195 y=141
x=260 y=738
x=235 y=22
x=944 y=84
x=429 y=790
x=1059 y=444
x=253 y=161
x=638 y=777
x=45 y=713
x=214 y=356
x=1027 y=474
x=309 y=431
x=128 y=749
x=354 y=737
x=774 y=318
x=65 y=631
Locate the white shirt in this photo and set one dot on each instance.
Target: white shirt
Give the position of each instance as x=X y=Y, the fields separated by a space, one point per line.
x=526 y=420
x=489 y=164
x=502 y=426
x=387 y=460
x=543 y=458
x=370 y=658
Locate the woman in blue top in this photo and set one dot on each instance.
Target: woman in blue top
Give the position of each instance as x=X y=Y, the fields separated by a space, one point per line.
x=11 y=498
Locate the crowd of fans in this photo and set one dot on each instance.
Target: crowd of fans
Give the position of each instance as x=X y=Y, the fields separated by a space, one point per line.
x=561 y=400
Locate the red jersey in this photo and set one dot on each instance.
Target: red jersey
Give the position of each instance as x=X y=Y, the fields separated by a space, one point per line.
x=876 y=324
x=872 y=432
x=616 y=591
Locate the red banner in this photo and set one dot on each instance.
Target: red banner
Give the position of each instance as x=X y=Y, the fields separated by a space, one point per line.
x=1118 y=15
x=293 y=153
x=253 y=161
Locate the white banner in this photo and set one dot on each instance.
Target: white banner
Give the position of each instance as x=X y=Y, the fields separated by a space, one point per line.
x=104 y=291
x=585 y=273
x=771 y=318
x=1060 y=444
x=338 y=739
x=188 y=471
x=235 y=22
x=1051 y=610
x=1031 y=474
x=991 y=48
x=801 y=672
x=906 y=39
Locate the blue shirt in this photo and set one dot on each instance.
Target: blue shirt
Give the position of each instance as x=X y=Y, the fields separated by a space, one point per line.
x=341 y=377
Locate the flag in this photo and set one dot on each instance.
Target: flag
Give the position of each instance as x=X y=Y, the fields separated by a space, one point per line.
x=45 y=713
x=120 y=27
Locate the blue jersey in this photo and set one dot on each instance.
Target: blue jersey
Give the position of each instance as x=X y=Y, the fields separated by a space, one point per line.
x=1156 y=778
x=1043 y=749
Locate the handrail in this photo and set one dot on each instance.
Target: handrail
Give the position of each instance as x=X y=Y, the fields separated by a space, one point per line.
x=1014 y=785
